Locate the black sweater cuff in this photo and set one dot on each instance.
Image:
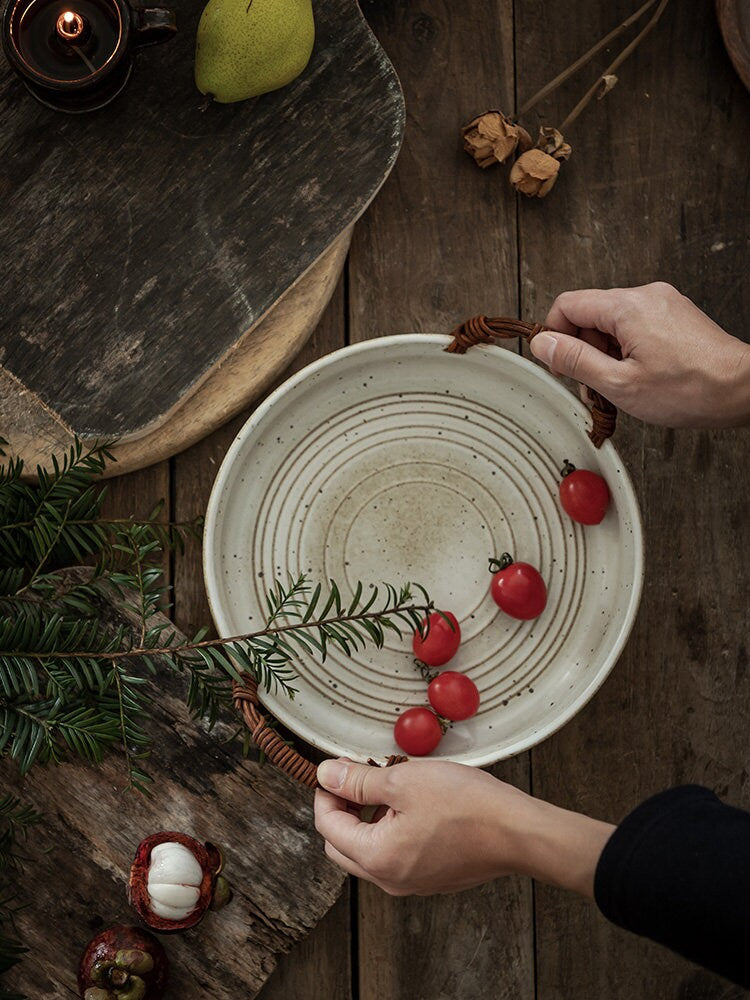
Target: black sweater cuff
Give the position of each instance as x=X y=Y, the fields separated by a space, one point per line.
x=677 y=870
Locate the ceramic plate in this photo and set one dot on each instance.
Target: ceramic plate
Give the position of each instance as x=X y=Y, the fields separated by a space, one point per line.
x=393 y=461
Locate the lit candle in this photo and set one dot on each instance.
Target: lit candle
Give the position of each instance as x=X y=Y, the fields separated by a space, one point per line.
x=77 y=55
x=70 y=26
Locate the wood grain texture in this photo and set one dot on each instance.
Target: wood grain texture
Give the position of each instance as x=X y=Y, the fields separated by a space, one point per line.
x=634 y=205
x=137 y=494
x=439 y=245
x=320 y=969
x=141 y=242
x=84 y=847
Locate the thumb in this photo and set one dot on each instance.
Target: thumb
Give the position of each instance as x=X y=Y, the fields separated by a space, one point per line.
x=358 y=783
x=573 y=357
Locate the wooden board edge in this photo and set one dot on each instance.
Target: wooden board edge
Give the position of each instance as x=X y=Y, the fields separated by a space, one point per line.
x=229 y=387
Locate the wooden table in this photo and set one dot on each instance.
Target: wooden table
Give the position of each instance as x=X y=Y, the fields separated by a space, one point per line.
x=656 y=189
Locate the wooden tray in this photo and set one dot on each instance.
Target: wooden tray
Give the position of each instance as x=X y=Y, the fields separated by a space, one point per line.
x=142 y=244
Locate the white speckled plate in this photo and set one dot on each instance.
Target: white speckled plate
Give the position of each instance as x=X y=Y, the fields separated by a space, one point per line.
x=392 y=460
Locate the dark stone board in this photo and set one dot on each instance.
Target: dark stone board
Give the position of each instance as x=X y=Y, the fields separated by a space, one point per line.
x=140 y=242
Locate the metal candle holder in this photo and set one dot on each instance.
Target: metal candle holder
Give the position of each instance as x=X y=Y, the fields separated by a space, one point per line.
x=77 y=55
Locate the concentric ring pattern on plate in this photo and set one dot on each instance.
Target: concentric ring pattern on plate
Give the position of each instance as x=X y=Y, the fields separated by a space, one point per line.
x=394 y=461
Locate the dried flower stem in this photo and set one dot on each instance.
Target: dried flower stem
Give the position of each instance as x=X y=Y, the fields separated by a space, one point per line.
x=585 y=58
x=614 y=65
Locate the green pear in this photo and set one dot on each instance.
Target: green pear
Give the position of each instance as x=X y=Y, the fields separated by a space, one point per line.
x=248 y=47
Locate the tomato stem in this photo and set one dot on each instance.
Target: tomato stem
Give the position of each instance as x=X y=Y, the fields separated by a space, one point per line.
x=425 y=671
x=567 y=468
x=505 y=560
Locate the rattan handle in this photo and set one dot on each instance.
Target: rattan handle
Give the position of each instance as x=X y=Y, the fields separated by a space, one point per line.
x=266 y=738
x=486 y=330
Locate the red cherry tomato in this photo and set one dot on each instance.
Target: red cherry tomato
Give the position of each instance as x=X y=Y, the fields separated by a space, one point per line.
x=453 y=695
x=441 y=642
x=517 y=588
x=418 y=731
x=584 y=495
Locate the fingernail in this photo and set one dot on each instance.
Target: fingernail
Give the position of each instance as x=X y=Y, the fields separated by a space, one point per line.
x=543 y=347
x=332 y=774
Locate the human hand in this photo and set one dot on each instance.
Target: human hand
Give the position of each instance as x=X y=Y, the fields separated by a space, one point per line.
x=444 y=827
x=678 y=367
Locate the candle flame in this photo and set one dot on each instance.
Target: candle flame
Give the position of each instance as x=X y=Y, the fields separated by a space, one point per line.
x=70 y=25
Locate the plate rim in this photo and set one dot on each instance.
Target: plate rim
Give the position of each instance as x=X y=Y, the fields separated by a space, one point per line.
x=210 y=551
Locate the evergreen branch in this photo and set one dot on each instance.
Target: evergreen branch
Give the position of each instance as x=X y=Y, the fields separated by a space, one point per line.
x=15 y=820
x=130 y=733
x=82 y=709
x=59 y=521
x=140 y=584
x=111 y=522
x=47 y=551
x=403 y=609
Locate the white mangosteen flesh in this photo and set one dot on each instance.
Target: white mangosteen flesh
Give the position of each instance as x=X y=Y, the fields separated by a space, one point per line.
x=174 y=878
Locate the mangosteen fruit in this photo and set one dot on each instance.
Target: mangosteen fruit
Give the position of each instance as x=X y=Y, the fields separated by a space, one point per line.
x=174 y=880
x=123 y=963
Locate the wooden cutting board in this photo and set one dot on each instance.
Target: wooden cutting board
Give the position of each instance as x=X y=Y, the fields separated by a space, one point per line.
x=79 y=856
x=146 y=247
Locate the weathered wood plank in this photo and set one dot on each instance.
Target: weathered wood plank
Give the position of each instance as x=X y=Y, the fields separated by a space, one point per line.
x=439 y=245
x=320 y=968
x=136 y=494
x=635 y=204
x=141 y=242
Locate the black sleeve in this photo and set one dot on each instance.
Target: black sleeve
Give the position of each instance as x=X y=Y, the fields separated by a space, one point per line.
x=677 y=870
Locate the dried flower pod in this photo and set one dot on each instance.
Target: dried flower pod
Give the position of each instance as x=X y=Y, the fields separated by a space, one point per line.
x=174 y=880
x=534 y=173
x=552 y=143
x=607 y=82
x=493 y=137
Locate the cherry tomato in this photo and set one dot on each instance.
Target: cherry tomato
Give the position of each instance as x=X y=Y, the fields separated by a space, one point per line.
x=584 y=495
x=453 y=695
x=418 y=731
x=517 y=588
x=441 y=641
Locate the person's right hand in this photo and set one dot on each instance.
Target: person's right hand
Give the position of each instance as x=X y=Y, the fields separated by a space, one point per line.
x=444 y=827
x=678 y=367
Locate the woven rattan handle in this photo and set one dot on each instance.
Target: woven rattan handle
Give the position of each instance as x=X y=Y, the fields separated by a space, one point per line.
x=486 y=330
x=276 y=749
